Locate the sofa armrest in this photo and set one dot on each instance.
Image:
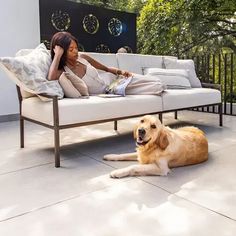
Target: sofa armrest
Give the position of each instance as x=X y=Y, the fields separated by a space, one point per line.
x=48 y=96
x=55 y=109
x=213 y=86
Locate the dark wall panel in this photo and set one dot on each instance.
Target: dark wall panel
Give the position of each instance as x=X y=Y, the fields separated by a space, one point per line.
x=97 y=29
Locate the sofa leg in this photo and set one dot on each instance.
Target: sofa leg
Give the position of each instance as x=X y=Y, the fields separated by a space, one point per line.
x=176 y=115
x=220 y=114
x=22 y=142
x=57 y=147
x=115 y=125
x=160 y=117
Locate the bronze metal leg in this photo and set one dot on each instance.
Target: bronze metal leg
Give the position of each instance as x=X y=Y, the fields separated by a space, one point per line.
x=115 y=125
x=56 y=132
x=220 y=114
x=176 y=115
x=22 y=143
x=57 y=147
x=160 y=117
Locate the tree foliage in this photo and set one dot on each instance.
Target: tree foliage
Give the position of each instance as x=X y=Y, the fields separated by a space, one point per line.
x=181 y=27
x=120 y=5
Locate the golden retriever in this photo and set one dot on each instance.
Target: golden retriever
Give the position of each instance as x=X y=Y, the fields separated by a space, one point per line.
x=160 y=148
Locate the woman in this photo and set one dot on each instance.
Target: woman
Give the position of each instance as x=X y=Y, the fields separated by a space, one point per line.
x=65 y=57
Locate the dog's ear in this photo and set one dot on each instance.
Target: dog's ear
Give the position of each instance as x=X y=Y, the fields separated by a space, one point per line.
x=162 y=140
x=135 y=131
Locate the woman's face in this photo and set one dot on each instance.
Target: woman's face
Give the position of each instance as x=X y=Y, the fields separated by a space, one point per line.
x=72 y=52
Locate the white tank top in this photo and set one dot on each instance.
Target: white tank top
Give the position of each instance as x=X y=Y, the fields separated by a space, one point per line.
x=94 y=82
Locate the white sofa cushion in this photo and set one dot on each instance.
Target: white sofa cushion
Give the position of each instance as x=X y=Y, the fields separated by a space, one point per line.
x=107 y=59
x=95 y=108
x=181 y=98
x=171 y=63
x=172 y=78
x=136 y=62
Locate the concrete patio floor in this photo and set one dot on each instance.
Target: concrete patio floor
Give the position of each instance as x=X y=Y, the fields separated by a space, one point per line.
x=81 y=199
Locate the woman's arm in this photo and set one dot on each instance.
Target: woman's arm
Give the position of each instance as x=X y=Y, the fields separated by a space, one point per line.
x=54 y=73
x=100 y=66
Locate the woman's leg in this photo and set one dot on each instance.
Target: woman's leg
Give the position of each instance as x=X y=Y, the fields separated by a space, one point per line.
x=145 y=84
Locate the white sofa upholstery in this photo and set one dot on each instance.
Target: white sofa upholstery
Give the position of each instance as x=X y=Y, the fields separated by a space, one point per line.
x=95 y=108
x=65 y=113
x=174 y=99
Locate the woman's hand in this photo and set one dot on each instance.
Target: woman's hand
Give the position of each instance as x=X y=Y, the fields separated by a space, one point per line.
x=58 y=50
x=124 y=73
x=116 y=71
x=54 y=73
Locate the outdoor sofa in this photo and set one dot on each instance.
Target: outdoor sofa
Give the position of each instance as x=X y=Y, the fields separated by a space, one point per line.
x=58 y=114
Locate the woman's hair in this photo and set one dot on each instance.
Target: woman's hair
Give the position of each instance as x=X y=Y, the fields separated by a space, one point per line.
x=62 y=39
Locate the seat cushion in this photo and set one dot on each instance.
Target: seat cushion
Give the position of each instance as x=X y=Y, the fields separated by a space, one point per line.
x=181 y=98
x=93 y=109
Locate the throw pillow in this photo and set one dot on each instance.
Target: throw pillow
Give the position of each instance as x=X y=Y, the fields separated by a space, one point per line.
x=171 y=63
x=24 y=52
x=31 y=71
x=69 y=90
x=25 y=92
x=77 y=83
x=172 y=78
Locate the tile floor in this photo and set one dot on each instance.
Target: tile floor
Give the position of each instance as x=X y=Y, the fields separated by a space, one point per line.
x=81 y=199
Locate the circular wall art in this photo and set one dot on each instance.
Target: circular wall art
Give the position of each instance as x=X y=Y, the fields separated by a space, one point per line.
x=60 y=20
x=90 y=24
x=102 y=48
x=115 y=26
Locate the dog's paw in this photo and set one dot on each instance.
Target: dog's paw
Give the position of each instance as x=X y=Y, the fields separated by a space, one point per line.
x=166 y=172
x=110 y=157
x=118 y=173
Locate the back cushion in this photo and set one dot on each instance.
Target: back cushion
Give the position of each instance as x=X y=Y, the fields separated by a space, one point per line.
x=172 y=78
x=136 y=63
x=107 y=59
x=186 y=64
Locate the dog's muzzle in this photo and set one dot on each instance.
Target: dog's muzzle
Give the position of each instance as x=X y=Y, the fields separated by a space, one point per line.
x=141 y=136
x=141 y=132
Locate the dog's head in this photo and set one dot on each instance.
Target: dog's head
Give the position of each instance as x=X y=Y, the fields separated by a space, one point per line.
x=149 y=131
